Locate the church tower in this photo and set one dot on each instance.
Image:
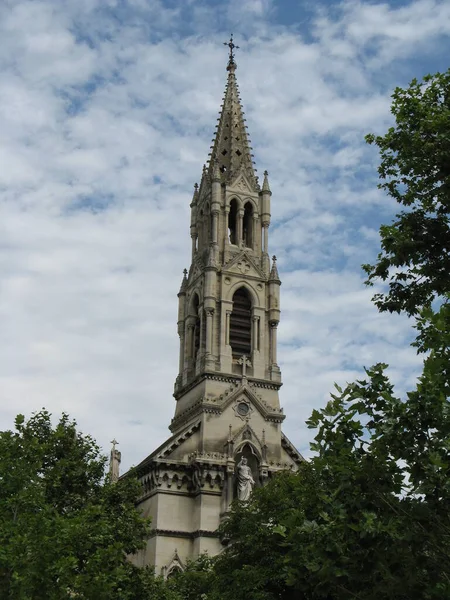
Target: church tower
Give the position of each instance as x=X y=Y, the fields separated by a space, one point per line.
x=226 y=391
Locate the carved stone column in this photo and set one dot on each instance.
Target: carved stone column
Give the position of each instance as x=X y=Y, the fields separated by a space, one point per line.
x=239 y=232
x=255 y=237
x=209 y=324
x=188 y=345
x=273 y=342
x=266 y=238
x=215 y=232
x=181 y=361
x=226 y=237
x=227 y=327
x=255 y=333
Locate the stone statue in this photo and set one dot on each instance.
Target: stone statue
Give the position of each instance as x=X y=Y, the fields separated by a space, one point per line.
x=245 y=480
x=114 y=462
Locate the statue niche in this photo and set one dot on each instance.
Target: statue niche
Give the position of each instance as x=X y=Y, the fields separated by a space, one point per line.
x=247 y=468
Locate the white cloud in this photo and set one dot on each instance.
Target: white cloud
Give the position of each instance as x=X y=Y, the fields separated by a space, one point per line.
x=106 y=112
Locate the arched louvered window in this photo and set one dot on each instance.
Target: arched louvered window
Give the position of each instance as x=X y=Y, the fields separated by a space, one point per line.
x=241 y=323
x=232 y=222
x=248 y=225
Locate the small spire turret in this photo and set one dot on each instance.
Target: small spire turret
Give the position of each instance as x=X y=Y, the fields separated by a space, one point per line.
x=265 y=186
x=195 y=195
x=184 y=283
x=274 y=271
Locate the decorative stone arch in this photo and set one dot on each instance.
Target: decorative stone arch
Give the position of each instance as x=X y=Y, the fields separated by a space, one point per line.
x=175 y=566
x=238 y=199
x=248 y=234
x=254 y=296
x=252 y=201
x=233 y=205
x=256 y=452
x=194 y=325
x=247 y=449
x=195 y=293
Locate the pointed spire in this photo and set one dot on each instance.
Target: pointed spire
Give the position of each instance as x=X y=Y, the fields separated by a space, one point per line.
x=184 y=283
x=230 y=145
x=274 y=271
x=265 y=187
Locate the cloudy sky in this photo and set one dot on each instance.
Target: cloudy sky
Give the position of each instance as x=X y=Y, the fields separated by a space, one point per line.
x=107 y=109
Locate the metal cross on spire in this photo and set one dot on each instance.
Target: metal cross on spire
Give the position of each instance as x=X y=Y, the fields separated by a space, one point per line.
x=114 y=442
x=231 y=45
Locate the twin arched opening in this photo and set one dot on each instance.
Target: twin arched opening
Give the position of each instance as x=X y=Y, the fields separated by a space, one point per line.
x=240 y=225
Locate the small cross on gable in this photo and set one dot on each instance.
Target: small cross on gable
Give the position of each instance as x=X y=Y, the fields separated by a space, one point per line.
x=245 y=362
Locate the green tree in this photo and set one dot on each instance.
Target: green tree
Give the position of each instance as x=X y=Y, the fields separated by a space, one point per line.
x=369 y=516
x=65 y=529
x=415 y=171
x=196 y=581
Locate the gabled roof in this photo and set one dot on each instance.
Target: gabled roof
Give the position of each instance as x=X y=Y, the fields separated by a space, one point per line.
x=244 y=257
x=173 y=442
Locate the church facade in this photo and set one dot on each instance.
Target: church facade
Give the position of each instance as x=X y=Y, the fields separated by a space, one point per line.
x=226 y=431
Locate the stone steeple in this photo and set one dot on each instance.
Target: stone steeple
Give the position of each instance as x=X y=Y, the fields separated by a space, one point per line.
x=231 y=152
x=227 y=421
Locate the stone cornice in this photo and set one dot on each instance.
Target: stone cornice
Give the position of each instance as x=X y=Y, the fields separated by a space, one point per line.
x=207 y=375
x=190 y=535
x=217 y=376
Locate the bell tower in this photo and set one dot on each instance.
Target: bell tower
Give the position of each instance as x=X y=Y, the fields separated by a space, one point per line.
x=226 y=391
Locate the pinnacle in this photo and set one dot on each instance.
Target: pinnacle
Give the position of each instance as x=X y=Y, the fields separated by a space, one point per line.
x=274 y=271
x=184 y=282
x=195 y=195
x=265 y=187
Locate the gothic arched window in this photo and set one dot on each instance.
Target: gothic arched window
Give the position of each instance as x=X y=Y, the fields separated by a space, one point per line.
x=248 y=225
x=232 y=222
x=241 y=323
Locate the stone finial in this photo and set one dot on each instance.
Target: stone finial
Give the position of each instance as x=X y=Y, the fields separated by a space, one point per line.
x=114 y=462
x=264 y=446
x=184 y=282
x=265 y=186
x=274 y=271
x=195 y=194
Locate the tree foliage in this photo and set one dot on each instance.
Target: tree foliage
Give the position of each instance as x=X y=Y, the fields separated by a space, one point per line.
x=65 y=531
x=415 y=171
